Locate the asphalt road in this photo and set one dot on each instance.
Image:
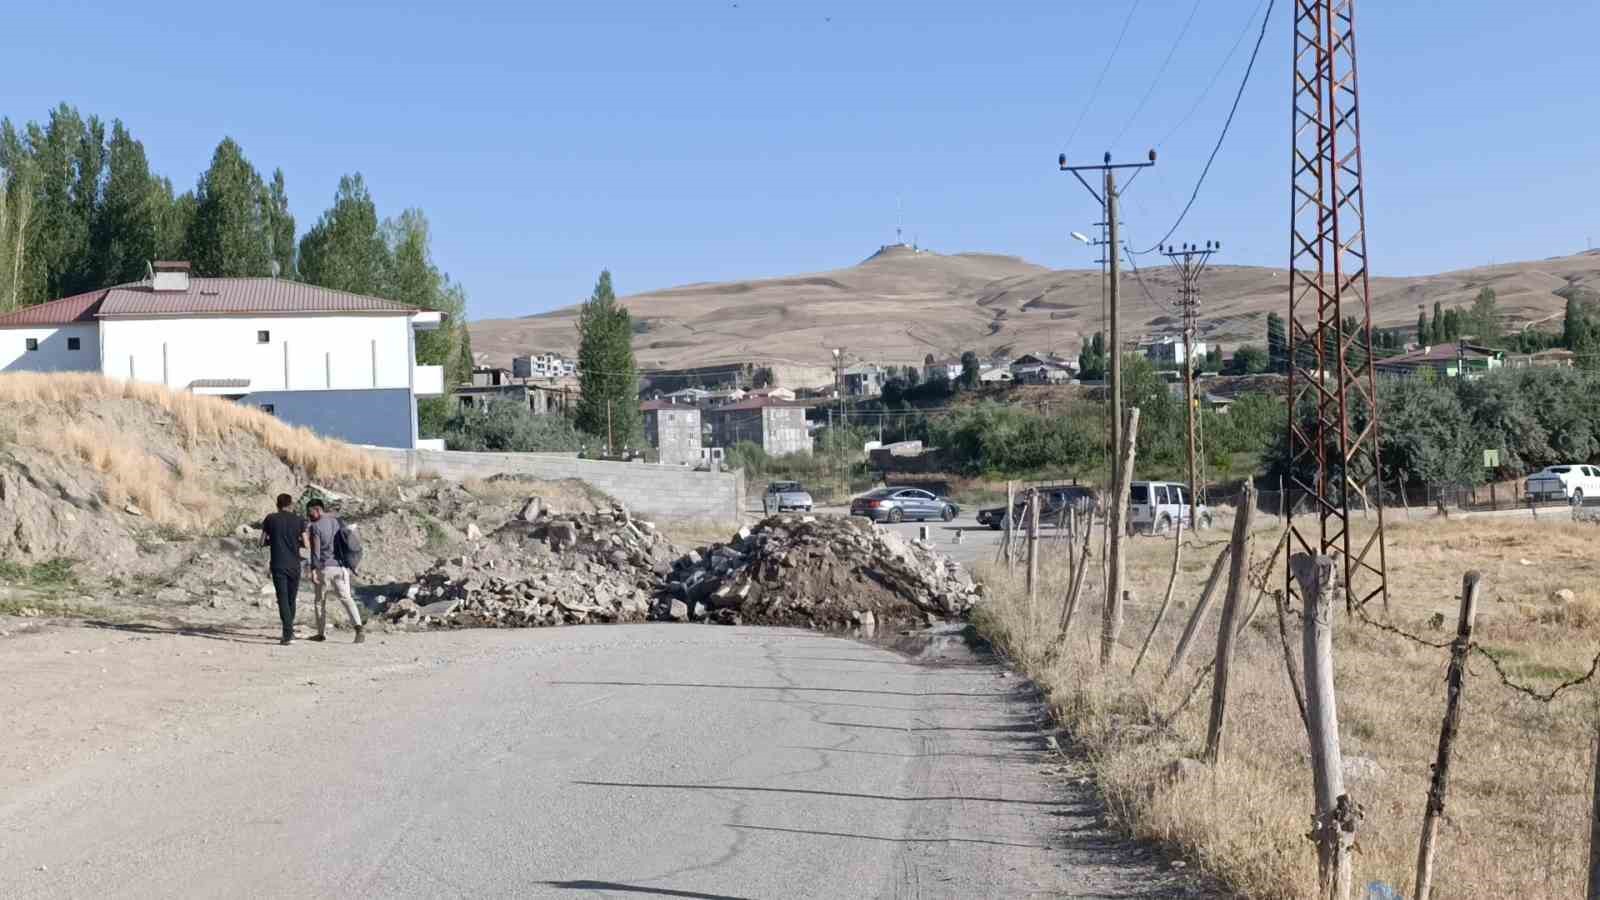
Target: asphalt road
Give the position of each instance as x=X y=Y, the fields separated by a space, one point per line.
x=673 y=761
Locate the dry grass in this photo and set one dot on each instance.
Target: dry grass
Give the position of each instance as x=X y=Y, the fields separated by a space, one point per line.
x=167 y=492
x=1517 y=813
x=199 y=418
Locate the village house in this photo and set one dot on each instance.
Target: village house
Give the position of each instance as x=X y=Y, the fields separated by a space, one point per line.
x=343 y=365
x=674 y=431
x=543 y=365
x=1444 y=360
x=1169 y=351
x=949 y=369
x=777 y=426
x=864 y=381
x=1034 y=368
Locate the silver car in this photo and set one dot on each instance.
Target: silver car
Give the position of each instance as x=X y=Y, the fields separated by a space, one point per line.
x=891 y=504
x=786 y=495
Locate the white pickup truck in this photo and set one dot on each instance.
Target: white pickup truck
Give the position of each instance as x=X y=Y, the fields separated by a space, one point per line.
x=1571 y=483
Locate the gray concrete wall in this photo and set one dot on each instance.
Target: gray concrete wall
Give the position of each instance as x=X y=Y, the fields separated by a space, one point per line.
x=654 y=491
x=380 y=417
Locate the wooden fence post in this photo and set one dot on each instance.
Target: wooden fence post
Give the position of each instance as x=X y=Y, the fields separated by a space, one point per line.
x=1227 y=629
x=1111 y=621
x=1033 y=558
x=1166 y=601
x=1447 y=733
x=1594 y=826
x=1201 y=608
x=1334 y=821
x=1079 y=576
x=1011 y=501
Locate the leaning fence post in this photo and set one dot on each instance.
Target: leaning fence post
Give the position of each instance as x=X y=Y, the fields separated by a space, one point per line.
x=1227 y=629
x=1166 y=601
x=1447 y=733
x=1199 y=615
x=1334 y=821
x=1011 y=500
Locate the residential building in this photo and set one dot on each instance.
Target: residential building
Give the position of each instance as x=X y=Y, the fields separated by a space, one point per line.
x=1444 y=360
x=1032 y=368
x=674 y=431
x=1544 y=359
x=1169 y=351
x=705 y=397
x=949 y=369
x=776 y=393
x=489 y=376
x=779 y=427
x=341 y=364
x=543 y=365
x=543 y=398
x=864 y=381
x=997 y=374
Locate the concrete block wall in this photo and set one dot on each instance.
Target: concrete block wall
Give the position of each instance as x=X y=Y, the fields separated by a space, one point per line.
x=653 y=491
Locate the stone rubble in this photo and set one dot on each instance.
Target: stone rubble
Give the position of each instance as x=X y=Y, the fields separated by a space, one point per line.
x=829 y=573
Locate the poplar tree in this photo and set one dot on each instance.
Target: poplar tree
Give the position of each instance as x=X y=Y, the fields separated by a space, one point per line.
x=128 y=224
x=607 y=376
x=280 y=226
x=345 y=250
x=228 y=237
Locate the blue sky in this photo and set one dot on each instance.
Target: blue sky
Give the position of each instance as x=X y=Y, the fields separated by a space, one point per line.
x=677 y=140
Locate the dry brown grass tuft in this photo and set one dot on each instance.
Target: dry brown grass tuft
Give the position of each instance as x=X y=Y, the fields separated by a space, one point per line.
x=1516 y=819
x=200 y=418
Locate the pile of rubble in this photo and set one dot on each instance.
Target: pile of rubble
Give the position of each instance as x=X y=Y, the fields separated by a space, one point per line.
x=828 y=573
x=542 y=569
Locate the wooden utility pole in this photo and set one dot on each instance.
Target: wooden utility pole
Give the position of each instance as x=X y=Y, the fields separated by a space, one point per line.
x=1227 y=629
x=1334 y=821
x=1459 y=648
x=1189 y=262
x=1111 y=623
x=1594 y=826
x=1113 y=251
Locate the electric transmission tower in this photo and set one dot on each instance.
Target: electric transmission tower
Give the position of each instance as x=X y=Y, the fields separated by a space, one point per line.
x=1333 y=410
x=1189 y=261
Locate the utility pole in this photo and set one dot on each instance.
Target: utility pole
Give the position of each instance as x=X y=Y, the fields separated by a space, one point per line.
x=1108 y=203
x=1189 y=261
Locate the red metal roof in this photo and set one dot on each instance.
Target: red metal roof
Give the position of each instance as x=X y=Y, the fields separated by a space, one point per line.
x=67 y=310
x=239 y=296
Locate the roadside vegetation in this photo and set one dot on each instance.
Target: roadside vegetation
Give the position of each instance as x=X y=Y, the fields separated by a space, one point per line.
x=1518 y=805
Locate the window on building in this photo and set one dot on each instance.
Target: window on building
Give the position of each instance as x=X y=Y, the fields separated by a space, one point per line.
x=269 y=409
x=263 y=337
x=74 y=343
x=32 y=343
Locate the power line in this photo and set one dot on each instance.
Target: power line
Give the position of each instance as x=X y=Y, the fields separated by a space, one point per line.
x=1215 y=77
x=1239 y=95
x=1095 y=91
x=1171 y=51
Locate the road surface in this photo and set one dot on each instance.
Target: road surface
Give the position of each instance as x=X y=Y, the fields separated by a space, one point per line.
x=657 y=760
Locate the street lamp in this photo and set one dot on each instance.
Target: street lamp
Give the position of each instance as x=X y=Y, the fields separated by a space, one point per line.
x=1081 y=237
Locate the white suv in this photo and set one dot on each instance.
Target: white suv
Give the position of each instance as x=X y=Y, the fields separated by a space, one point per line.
x=1572 y=483
x=1155 y=507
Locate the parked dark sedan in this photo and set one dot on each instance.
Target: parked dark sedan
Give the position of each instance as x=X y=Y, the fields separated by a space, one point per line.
x=1056 y=500
x=900 y=504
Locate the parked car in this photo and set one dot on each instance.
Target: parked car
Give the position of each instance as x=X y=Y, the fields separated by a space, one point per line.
x=1155 y=507
x=783 y=496
x=1056 y=499
x=899 y=504
x=1570 y=482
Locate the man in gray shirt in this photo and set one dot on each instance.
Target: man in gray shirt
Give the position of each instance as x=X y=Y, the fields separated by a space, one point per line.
x=327 y=573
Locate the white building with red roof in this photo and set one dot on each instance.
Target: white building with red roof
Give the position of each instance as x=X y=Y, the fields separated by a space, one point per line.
x=341 y=364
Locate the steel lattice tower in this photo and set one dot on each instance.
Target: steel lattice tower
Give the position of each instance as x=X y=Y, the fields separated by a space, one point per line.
x=1333 y=416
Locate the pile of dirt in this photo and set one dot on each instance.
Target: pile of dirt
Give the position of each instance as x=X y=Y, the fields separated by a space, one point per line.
x=542 y=568
x=822 y=572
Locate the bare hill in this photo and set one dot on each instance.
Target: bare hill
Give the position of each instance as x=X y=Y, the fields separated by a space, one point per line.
x=899 y=305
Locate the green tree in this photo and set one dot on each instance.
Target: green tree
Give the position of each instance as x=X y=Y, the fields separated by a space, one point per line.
x=1277 y=343
x=1437 y=334
x=1213 y=359
x=412 y=278
x=229 y=235
x=971 y=370
x=1484 y=318
x=1248 y=359
x=127 y=232
x=345 y=250
x=280 y=227
x=1092 y=359
x=1577 y=330
x=507 y=426
x=608 y=379
x=1424 y=330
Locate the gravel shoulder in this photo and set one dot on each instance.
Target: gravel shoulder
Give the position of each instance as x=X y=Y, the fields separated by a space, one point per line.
x=622 y=760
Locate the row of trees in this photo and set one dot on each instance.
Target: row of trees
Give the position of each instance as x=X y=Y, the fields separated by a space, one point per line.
x=80 y=209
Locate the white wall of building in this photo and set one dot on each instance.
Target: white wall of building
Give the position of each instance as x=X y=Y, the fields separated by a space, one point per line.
x=52 y=355
x=300 y=353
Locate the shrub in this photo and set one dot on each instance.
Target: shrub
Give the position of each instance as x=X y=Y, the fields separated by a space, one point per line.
x=509 y=427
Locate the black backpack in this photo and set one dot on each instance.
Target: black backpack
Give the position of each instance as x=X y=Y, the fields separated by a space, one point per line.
x=347 y=547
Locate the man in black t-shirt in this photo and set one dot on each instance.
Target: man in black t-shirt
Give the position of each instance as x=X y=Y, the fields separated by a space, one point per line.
x=285 y=533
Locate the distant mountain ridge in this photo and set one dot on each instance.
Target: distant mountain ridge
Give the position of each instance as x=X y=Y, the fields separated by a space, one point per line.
x=900 y=304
